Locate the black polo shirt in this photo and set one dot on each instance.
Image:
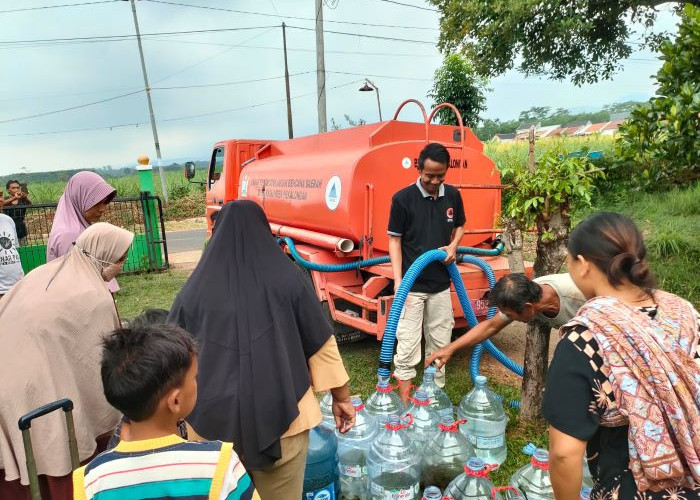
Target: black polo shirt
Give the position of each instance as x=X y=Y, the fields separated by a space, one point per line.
x=425 y=223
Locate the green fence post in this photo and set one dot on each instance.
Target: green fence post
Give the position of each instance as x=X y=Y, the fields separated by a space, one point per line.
x=150 y=215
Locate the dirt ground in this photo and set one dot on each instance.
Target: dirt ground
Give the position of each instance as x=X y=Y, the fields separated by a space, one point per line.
x=512 y=342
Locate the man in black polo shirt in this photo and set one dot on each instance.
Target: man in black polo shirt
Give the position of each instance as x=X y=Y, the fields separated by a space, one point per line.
x=424 y=216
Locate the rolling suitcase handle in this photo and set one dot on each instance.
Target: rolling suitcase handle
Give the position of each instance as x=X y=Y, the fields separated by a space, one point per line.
x=25 y=424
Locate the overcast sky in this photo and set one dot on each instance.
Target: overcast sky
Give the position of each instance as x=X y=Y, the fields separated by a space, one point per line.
x=38 y=78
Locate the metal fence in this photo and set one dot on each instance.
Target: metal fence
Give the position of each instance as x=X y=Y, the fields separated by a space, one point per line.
x=143 y=216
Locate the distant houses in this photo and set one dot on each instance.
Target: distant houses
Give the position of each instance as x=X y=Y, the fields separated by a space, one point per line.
x=573 y=129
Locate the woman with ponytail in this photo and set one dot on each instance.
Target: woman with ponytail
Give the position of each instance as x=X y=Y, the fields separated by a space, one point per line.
x=624 y=383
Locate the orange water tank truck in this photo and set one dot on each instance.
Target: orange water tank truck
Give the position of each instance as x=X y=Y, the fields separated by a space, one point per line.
x=331 y=193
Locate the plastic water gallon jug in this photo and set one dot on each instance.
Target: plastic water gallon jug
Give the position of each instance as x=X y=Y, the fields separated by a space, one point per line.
x=384 y=402
x=320 y=475
x=587 y=480
x=425 y=420
x=439 y=400
x=473 y=484
x=353 y=447
x=445 y=456
x=533 y=478
x=393 y=463
x=486 y=422
x=432 y=493
x=328 y=420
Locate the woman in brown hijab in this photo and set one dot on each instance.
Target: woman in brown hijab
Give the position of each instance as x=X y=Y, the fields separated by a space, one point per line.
x=53 y=322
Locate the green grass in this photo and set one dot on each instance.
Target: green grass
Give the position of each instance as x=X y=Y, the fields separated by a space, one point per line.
x=143 y=291
x=139 y=292
x=669 y=222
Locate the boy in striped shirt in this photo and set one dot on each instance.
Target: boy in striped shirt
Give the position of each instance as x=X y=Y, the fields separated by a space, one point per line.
x=150 y=374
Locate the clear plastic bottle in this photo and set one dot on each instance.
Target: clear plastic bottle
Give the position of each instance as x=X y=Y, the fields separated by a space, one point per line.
x=473 y=484
x=445 y=456
x=393 y=464
x=425 y=420
x=486 y=422
x=533 y=478
x=585 y=493
x=353 y=447
x=384 y=402
x=432 y=493
x=439 y=399
x=321 y=472
x=327 y=418
x=587 y=480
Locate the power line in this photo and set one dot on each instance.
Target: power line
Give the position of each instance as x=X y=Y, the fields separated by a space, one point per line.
x=137 y=124
x=209 y=58
x=297 y=18
x=291 y=49
x=85 y=105
x=130 y=36
x=361 y=35
x=56 y=6
x=395 y=77
x=206 y=85
x=409 y=5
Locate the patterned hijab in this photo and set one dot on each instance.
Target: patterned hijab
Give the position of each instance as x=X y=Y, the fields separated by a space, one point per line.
x=83 y=191
x=654 y=370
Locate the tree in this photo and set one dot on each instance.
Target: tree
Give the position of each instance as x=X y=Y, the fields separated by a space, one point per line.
x=456 y=82
x=543 y=197
x=584 y=40
x=351 y=122
x=488 y=128
x=535 y=113
x=621 y=107
x=663 y=136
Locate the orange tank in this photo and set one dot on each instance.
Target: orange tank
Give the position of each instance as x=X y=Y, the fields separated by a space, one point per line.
x=341 y=183
x=331 y=193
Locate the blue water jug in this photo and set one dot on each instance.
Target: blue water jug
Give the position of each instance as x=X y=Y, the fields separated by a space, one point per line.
x=321 y=473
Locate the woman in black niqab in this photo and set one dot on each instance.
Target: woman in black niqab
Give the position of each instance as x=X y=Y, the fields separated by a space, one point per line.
x=257 y=322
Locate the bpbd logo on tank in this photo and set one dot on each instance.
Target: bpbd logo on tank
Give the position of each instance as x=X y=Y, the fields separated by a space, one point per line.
x=333 y=191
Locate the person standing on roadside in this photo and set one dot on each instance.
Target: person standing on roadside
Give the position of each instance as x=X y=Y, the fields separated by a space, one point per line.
x=424 y=216
x=14 y=207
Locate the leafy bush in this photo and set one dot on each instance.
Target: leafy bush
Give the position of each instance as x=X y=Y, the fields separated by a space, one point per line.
x=660 y=144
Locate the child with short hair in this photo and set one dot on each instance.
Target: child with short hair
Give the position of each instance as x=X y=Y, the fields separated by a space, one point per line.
x=149 y=374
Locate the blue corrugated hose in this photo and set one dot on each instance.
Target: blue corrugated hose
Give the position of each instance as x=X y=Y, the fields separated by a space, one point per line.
x=358 y=264
x=387 y=349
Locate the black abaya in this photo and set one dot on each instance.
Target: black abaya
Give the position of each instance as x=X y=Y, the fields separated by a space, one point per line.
x=257 y=321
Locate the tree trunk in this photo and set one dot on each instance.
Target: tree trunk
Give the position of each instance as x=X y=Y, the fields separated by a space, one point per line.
x=535 y=369
x=552 y=237
x=513 y=238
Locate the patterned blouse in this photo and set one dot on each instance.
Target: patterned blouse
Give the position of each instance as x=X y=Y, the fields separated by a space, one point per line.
x=576 y=396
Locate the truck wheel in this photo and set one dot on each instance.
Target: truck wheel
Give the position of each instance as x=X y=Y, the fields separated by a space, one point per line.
x=344 y=334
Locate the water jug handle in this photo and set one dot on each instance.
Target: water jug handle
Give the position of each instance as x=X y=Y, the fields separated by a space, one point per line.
x=454 y=427
x=482 y=473
x=497 y=489
x=409 y=417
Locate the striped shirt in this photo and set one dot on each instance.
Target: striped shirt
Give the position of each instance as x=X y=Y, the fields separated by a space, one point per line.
x=165 y=468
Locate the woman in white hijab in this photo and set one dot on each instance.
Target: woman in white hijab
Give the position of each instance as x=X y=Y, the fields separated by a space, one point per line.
x=53 y=322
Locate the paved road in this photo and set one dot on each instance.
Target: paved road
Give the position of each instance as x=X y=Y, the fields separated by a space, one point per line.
x=185 y=241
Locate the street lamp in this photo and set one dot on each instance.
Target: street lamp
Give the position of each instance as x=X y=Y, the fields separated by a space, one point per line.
x=369 y=86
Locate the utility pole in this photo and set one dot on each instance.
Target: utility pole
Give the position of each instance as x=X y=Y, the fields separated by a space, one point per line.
x=320 y=68
x=290 y=127
x=150 y=104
